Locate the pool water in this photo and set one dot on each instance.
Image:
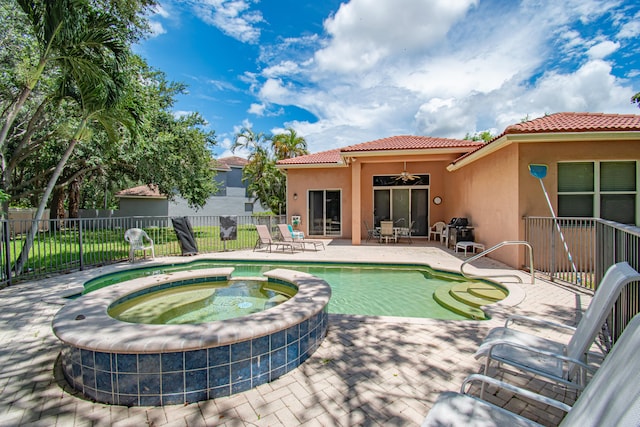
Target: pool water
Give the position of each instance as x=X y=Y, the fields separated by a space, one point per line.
x=359 y=289
x=200 y=302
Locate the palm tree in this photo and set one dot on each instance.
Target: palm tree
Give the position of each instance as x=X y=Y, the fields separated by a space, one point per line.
x=288 y=145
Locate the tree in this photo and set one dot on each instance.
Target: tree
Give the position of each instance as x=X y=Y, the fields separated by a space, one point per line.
x=265 y=180
x=485 y=136
x=635 y=99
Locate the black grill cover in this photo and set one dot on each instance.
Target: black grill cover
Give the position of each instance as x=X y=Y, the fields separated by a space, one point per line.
x=187 y=239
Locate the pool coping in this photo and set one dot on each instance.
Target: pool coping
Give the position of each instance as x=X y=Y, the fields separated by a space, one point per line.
x=84 y=322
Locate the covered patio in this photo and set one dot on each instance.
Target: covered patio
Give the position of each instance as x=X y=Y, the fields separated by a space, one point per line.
x=368 y=371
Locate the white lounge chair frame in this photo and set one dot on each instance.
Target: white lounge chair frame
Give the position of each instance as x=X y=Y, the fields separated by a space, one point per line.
x=566 y=364
x=612 y=397
x=285 y=232
x=138 y=240
x=265 y=239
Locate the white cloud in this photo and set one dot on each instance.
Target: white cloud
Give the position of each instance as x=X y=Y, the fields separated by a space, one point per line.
x=630 y=29
x=156 y=28
x=233 y=17
x=603 y=49
x=460 y=68
x=257 y=109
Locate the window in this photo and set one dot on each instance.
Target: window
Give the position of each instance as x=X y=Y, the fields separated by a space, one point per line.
x=605 y=190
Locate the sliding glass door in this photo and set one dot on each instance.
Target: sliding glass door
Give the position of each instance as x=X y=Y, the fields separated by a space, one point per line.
x=325 y=213
x=403 y=206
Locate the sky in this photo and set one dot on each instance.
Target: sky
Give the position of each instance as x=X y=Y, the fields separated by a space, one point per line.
x=346 y=72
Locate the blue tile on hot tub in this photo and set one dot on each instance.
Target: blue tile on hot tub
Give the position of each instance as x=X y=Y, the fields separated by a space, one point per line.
x=173 y=382
x=219 y=355
x=103 y=381
x=149 y=384
x=241 y=386
x=172 y=362
x=260 y=345
x=293 y=351
x=105 y=397
x=278 y=339
x=219 y=392
x=219 y=376
x=149 y=363
x=195 y=380
x=240 y=351
x=127 y=384
x=277 y=373
x=304 y=327
x=87 y=358
x=196 y=359
x=304 y=344
x=260 y=365
x=196 y=396
x=151 y=400
x=89 y=377
x=103 y=361
x=259 y=380
x=127 y=362
x=127 y=399
x=293 y=334
x=279 y=358
x=173 y=399
x=240 y=371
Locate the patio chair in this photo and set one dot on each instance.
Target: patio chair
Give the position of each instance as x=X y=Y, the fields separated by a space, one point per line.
x=287 y=233
x=138 y=240
x=437 y=231
x=566 y=364
x=372 y=233
x=612 y=397
x=387 y=232
x=265 y=239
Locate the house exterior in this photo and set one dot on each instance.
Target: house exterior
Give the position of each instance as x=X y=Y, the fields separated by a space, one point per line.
x=592 y=164
x=231 y=198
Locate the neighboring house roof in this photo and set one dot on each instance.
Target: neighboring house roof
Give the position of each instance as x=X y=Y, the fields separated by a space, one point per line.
x=558 y=126
x=383 y=146
x=234 y=161
x=146 y=191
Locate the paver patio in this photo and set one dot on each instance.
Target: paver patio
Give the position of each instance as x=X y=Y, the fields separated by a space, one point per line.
x=368 y=371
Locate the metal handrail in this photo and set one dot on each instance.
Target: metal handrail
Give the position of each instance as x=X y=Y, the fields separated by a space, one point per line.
x=493 y=248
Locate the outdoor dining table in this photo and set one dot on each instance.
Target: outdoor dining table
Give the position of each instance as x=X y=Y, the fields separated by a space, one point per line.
x=399 y=232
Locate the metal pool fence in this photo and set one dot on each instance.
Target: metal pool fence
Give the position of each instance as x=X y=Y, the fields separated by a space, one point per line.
x=75 y=244
x=592 y=246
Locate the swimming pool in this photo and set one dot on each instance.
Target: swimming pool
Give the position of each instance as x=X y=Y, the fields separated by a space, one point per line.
x=357 y=288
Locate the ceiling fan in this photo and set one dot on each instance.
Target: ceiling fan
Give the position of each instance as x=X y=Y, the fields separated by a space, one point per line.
x=406 y=176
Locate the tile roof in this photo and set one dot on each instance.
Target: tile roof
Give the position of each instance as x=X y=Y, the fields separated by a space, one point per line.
x=578 y=122
x=410 y=142
x=323 y=157
x=393 y=143
x=234 y=161
x=140 y=191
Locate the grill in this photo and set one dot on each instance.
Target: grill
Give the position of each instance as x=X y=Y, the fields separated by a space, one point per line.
x=459 y=231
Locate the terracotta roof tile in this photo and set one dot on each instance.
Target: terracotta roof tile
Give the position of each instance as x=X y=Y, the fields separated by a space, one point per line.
x=578 y=122
x=140 y=191
x=410 y=142
x=323 y=157
x=234 y=161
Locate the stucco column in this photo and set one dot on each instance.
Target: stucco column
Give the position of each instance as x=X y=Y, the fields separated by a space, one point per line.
x=356 y=214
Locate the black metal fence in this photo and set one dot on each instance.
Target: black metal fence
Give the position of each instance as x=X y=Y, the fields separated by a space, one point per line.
x=75 y=244
x=580 y=250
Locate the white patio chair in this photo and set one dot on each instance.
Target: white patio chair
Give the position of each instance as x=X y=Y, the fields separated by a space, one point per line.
x=290 y=236
x=387 y=232
x=612 y=397
x=265 y=239
x=567 y=363
x=138 y=240
x=437 y=231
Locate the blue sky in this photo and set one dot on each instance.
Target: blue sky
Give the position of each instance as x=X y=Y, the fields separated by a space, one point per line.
x=342 y=73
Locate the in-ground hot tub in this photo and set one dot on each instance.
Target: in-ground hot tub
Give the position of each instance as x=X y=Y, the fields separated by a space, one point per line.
x=132 y=364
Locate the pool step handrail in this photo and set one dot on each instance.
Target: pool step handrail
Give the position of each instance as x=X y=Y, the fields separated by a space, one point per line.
x=493 y=248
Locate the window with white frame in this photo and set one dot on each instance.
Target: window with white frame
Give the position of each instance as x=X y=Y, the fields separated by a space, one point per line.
x=601 y=189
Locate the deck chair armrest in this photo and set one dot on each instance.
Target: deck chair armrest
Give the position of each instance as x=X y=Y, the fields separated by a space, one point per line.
x=512 y=388
x=562 y=357
x=535 y=320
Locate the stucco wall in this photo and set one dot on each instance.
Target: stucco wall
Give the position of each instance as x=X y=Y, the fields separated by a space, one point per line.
x=486 y=192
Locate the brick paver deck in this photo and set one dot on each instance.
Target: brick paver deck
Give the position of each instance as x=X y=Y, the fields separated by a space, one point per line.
x=368 y=371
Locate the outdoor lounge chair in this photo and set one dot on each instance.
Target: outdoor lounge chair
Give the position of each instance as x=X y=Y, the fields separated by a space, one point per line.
x=287 y=234
x=138 y=240
x=265 y=239
x=559 y=362
x=612 y=397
